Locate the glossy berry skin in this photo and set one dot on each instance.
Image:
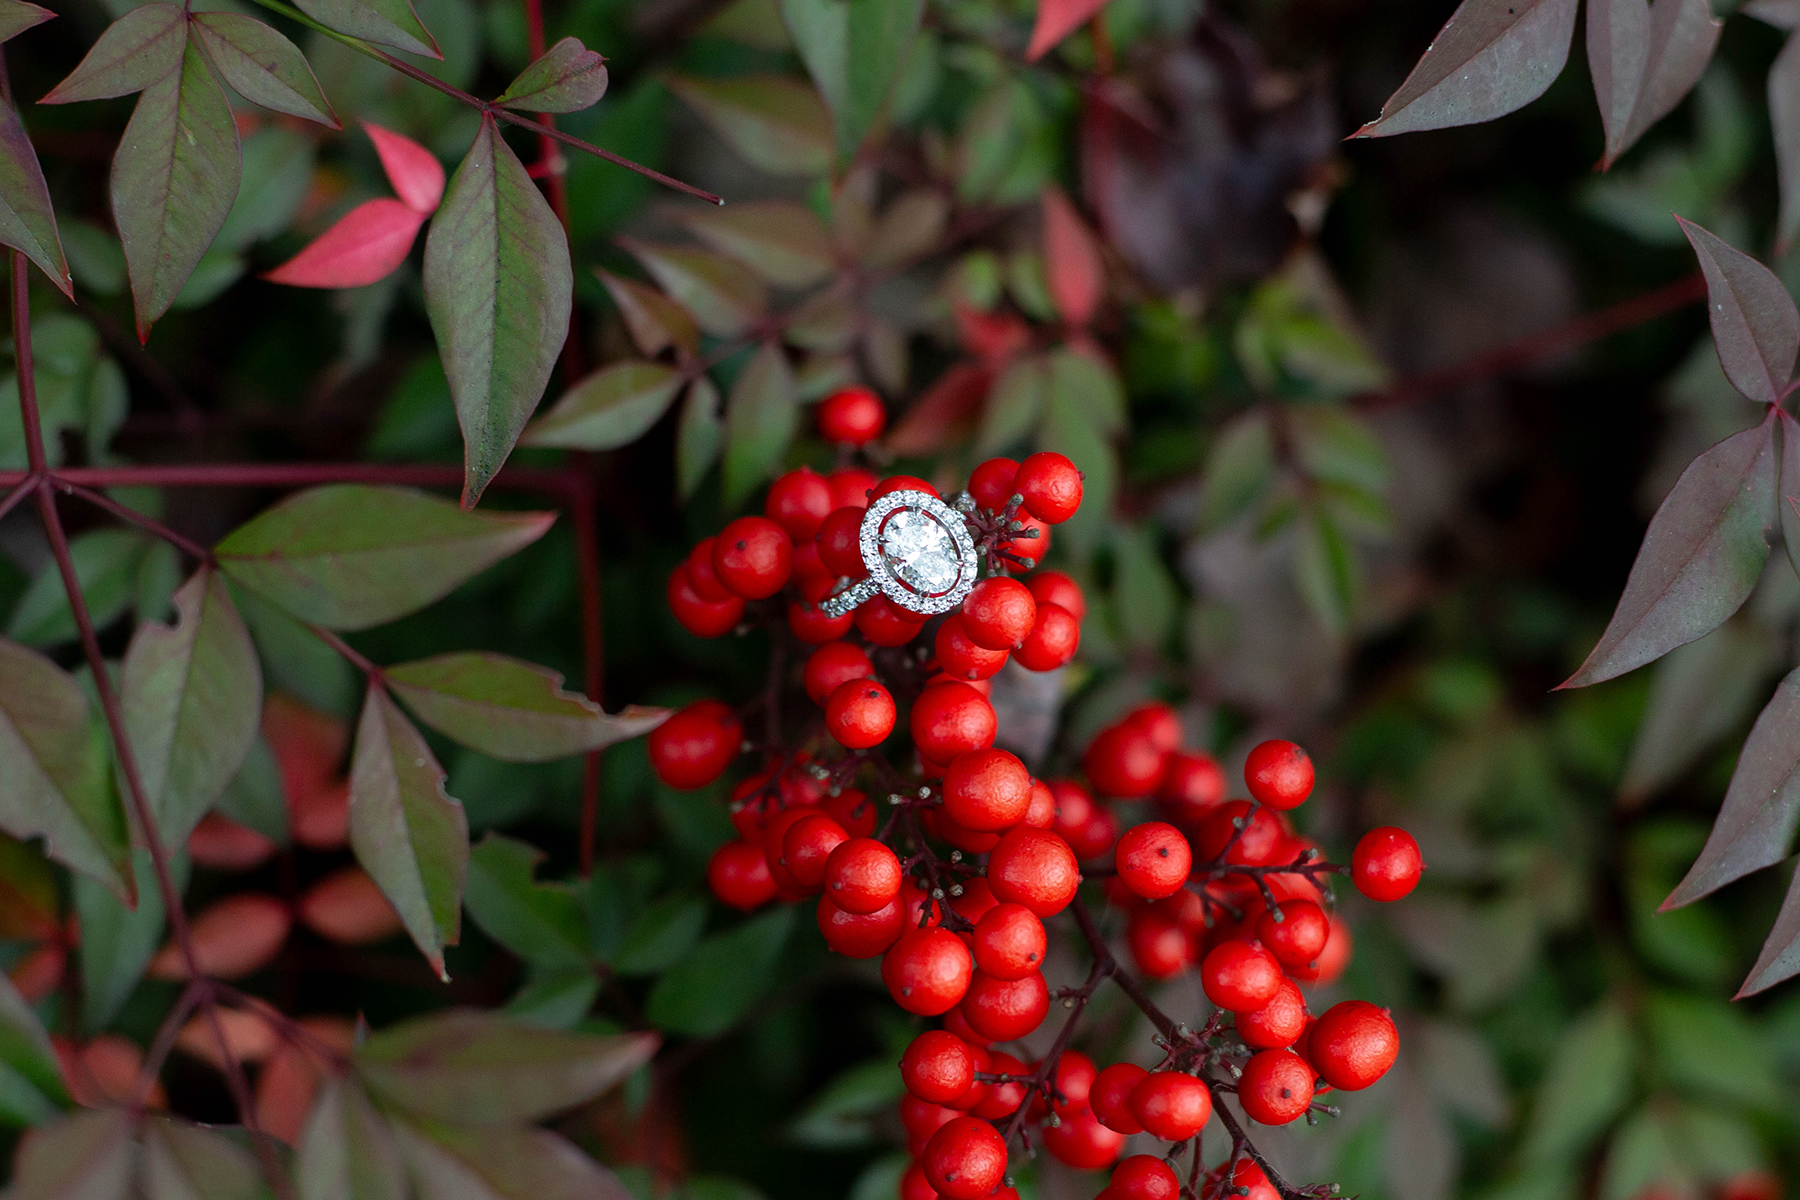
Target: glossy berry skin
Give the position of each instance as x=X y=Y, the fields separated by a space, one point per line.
x=1240 y=976
x=999 y=613
x=853 y=415
x=1153 y=859
x=1030 y=543
x=851 y=486
x=1171 y=1105
x=1051 y=486
x=839 y=544
x=914 y=1185
x=1332 y=960
x=959 y=657
x=1110 y=1097
x=969 y=841
x=1299 y=936
x=701 y=617
x=900 y=483
x=1010 y=942
x=859 y=714
x=739 y=876
x=1279 y=774
x=991 y=483
x=775 y=832
x=1073 y=1081
x=1259 y=845
x=1191 y=785
x=808 y=620
x=862 y=876
x=1005 y=1098
x=808 y=845
x=753 y=556
x=1276 y=1087
x=1082 y=1142
x=701 y=575
x=853 y=810
x=1033 y=867
x=927 y=971
x=937 y=1067
x=1053 y=640
x=885 y=623
x=986 y=790
x=832 y=665
x=921 y=1119
x=1159 y=946
x=1278 y=1023
x=1249 y=1176
x=1159 y=722
x=798 y=502
x=695 y=745
x=1353 y=1044
x=1122 y=761
x=1386 y=863
x=861 y=935
x=1144 y=1177
x=965 y=1160
x=1054 y=587
x=949 y=719
x=1041 y=812
x=1004 y=1010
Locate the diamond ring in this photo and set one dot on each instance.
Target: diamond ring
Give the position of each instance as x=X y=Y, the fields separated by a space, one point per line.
x=919 y=554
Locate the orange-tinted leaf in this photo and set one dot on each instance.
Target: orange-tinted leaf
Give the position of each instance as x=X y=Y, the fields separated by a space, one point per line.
x=1072 y=264
x=1056 y=20
x=366 y=245
x=309 y=745
x=248 y=1036
x=347 y=907
x=321 y=819
x=40 y=972
x=233 y=937
x=104 y=1071
x=220 y=843
x=289 y=1081
x=415 y=172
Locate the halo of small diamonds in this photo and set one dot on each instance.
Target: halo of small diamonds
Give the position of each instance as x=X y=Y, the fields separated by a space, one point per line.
x=961 y=547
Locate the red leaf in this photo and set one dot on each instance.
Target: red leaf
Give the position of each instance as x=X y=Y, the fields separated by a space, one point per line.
x=992 y=337
x=1056 y=20
x=366 y=244
x=944 y=412
x=1071 y=260
x=415 y=172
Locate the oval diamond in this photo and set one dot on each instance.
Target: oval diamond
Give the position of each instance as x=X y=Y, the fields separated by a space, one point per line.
x=921 y=552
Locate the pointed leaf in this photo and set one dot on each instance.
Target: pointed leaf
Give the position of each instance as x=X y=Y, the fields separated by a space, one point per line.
x=1644 y=60
x=366 y=245
x=698 y=437
x=707 y=992
x=478 y=1068
x=613 y=407
x=1072 y=263
x=188 y=1162
x=1780 y=956
x=1056 y=20
x=778 y=239
x=55 y=767
x=173 y=182
x=655 y=321
x=568 y=78
x=542 y=923
x=347 y=556
x=1754 y=323
x=776 y=124
x=106 y=566
x=407 y=832
x=262 y=66
x=853 y=49
x=1491 y=58
x=347 y=1151
x=26 y=1053
x=1015 y=406
x=193 y=700
x=1701 y=556
x=1787 y=501
x=504 y=1164
x=117 y=942
x=415 y=172
x=16 y=16
x=725 y=298
x=88 y=1155
x=141 y=48
x=761 y=418
x=909 y=229
x=1784 y=122
x=387 y=22
x=1701 y=692
x=498 y=287
x=1589 y=1080
x=27 y=219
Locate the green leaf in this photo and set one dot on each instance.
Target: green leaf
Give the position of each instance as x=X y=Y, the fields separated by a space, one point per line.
x=193 y=698
x=718 y=1187
x=189 y=1162
x=1701 y=692
x=1239 y=470
x=853 y=49
x=409 y=835
x=725 y=298
x=558 y=1000
x=262 y=66
x=1326 y=570
x=698 y=437
x=778 y=239
x=1334 y=446
x=613 y=407
x=504 y=1164
x=27 y=1056
x=278 y=170
x=655 y=321
x=825 y=322
x=1641 y=1155
x=387 y=22
x=1014 y=407
x=711 y=989
x=498 y=287
x=54 y=759
x=106 y=566
x=542 y=923
x=88 y=1155
x=254 y=797
x=27 y=218
x=477 y=1068
x=117 y=942
x=1085 y=406
x=839 y=1116
x=1145 y=599
x=347 y=1151
x=1706 y=1046
x=660 y=935
x=347 y=556
x=761 y=418
x=1588 y=1083
x=141 y=48
x=776 y=124
x=568 y=78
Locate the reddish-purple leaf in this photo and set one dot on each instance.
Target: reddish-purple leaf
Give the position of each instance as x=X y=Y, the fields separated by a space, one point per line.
x=1701 y=556
x=141 y=48
x=1056 y=20
x=1787 y=499
x=389 y=22
x=365 y=245
x=655 y=321
x=1784 y=122
x=1644 y=60
x=1072 y=266
x=27 y=219
x=1491 y=58
x=262 y=66
x=780 y=240
x=415 y=172
x=16 y=16
x=1754 y=323
x=1780 y=957
x=568 y=78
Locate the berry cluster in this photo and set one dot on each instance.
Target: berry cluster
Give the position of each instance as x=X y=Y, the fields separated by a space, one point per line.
x=951 y=881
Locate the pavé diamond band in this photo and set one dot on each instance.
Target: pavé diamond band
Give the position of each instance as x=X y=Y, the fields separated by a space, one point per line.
x=919 y=554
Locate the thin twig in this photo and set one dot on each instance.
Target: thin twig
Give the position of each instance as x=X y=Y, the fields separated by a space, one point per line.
x=150 y=525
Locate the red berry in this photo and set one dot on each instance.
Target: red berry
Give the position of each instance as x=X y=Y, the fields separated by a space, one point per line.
x=862 y=876
x=861 y=935
x=701 y=575
x=1030 y=543
x=1353 y=1044
x=1010 y=942
x=854 y=414
x=775 y=847
x=921 y=1119
x=1054 y=587
x=1041 y=812
x=1004 y=1010
x=916 y=902
x=739 y=875
x=1123 y=761
x=927 y=971
x=1144 y=1177
x=808 y=620
x=999 y=613
x=1159 y=723
x=851 y=486
x=1005 y=1098
x=885 y=623
x=914 y=1185
x=1074 y=805
x=798 y=502
x=851 y=809
x=834 y=664
x=938 y=1067
x=969 y=841
x=808 y=845
x=965 y=1160
x=1033 y=867
x=1276 y=1087
x=1332 y=960
x=1096 y=835
x=1110 y=1097
x=949 y=719
x=1279 y=774
x=1072 y=1083
x=1153 y=859
x=699 y=616
x=1240 y=976
x=1249 y=1176
x=1051 y=486
x=975 y=901
x=753 y=556
x=694 y=746
x=808 y=564
x=900 y=483
x=991 y=483
x=1278 y=1023
x=1053 y=640
x=986 y=790
x=1082 y=1142
x=959 y=657
x=1160 y=947
x=1299 y=936
x=1192 y=784
x=1170 y=1105
x=1386 y=864
x=839 y=542
x=859 y=714
x=1259 y=845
